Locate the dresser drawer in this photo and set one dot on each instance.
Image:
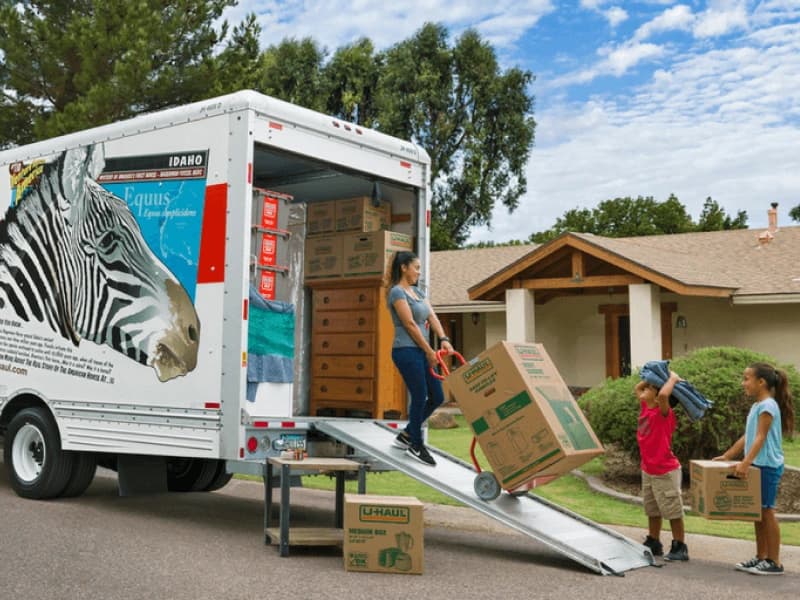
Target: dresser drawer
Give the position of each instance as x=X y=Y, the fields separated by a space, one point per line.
x=345 y=299
x=342 y=321
x=342 y=366
x=343 y=343
x=348 y=390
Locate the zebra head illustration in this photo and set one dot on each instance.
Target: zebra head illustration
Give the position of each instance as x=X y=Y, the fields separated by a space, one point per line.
x=72 y=256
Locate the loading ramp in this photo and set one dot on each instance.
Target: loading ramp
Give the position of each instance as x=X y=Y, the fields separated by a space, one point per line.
x=596 y=547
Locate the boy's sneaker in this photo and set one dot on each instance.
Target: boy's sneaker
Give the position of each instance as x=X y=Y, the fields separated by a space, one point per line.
x=766 y=567
x=656 y=547
x=679 y=551
x=421 y=454
x=403 y=440
x=746 y=565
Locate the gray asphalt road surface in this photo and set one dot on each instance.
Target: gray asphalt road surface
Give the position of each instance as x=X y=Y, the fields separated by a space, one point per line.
x=209 y=545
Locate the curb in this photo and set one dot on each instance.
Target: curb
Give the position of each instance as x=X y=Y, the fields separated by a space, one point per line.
x=598 y=486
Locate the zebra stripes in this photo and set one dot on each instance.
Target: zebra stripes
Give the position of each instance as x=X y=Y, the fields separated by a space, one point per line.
x=72 y=256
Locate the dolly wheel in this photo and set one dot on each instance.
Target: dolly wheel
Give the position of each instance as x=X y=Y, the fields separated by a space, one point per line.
x=486 y=486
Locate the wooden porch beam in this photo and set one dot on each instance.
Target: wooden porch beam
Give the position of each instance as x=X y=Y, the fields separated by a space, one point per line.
x=578 y=272
x=587 y=282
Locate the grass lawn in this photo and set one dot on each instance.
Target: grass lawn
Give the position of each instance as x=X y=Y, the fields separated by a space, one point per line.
x=568 y=491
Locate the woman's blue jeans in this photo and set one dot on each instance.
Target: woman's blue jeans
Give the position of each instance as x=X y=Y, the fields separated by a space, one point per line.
x=425 y=390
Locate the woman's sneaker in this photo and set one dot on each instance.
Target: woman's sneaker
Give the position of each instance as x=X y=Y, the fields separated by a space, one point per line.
x=746 y=565
x=421 y=454
x=403 y=440
x=766 y=567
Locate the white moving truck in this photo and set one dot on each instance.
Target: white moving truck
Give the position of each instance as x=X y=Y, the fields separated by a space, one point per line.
x=129 y=259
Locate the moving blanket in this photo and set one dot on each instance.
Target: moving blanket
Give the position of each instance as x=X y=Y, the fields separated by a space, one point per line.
x=270 y=342
x=656 y=372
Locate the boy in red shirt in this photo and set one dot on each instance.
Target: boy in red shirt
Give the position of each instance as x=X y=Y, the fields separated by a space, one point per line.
x=661 y=470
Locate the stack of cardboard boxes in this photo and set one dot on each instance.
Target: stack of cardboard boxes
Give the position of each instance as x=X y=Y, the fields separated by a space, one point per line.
x=269 y=243
x=350 y=238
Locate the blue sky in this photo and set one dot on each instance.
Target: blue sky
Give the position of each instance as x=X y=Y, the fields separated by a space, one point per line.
x=647 y=97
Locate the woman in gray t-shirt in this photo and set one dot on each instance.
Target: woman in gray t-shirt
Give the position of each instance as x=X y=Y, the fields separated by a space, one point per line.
x=412 y=354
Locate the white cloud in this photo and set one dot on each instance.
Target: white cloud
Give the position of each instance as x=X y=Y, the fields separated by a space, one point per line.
x=678 y=17
x=722 y=17
x=334 y=23
x=616 y=15
x=721 y=123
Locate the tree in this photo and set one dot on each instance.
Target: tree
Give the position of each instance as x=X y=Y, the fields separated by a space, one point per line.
x=239 y=65
x=713 y=218
x=626 y=217
x=73 y=64
x=291 y=71
x=472 y=119
x=350 y=81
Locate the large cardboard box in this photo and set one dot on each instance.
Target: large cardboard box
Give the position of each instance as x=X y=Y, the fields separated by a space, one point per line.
x=367 y=253
x=383 y=534
x=524 y=416
x=323 y=257
x=321 y=217
x=718 y=495
x=360 y=214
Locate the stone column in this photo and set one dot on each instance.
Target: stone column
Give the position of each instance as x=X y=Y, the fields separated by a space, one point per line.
x=520 y=316
x=645 y=318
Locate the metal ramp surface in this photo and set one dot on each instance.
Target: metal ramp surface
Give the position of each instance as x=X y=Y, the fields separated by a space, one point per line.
x=594 y=546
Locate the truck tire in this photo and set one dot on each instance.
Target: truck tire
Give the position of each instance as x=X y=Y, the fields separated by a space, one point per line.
x=221 y=478
x=37 y=466
x=190 y=474
x=83 y=471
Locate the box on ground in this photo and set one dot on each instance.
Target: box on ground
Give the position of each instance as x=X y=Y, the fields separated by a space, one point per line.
x=323 y=256
x=321 y=217
x=383 y=534
x=361 y=214
x=718 y=495
x=523 y=414
x=366 y=254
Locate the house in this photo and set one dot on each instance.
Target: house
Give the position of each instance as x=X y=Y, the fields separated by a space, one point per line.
x=602 y=306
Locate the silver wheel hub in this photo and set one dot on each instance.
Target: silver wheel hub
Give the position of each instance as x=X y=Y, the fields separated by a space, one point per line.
x=28 y=452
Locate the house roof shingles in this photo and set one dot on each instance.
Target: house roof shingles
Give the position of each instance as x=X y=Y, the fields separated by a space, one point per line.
x=733 y=259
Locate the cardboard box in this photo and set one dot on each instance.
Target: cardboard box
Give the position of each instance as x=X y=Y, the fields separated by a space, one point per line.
x=718 y=495
x=367 y=254
x=321 y=217
x=523 y=414
x=383 y=534
x=360 y=214
x=323 y=257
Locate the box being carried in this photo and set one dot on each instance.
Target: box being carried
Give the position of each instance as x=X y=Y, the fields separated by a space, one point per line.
x=522 y=413
x=383 y=534
x=718 y=495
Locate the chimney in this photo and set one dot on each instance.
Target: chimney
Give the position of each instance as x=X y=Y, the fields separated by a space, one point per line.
x=772 y=215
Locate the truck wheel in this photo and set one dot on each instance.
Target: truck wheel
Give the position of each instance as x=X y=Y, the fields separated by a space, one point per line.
x=37 y=467
x=221 y=478
x=82 y=474
x=189 y=474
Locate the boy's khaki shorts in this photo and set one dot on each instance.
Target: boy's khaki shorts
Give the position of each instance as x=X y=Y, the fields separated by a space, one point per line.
x=662 y=495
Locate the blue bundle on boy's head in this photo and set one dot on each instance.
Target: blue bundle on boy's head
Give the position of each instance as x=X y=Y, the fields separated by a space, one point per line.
x=656 y=372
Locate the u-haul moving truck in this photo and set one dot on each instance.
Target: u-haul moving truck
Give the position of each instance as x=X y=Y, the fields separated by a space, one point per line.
x=128 y=258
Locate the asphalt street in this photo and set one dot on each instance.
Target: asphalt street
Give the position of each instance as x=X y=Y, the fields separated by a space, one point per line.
x=209 y=545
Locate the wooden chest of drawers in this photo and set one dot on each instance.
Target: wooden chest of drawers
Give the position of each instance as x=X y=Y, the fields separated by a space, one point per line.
x=352 y=373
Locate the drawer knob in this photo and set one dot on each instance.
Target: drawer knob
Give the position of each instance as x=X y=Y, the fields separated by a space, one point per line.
x=325 y=322
x=361 y=320
x=326 y=299
x=361 y=343
x=325 y=344
x=362 y=298
x=323 y=388
x=360 y=367
x=359 y=390
x=324 y=366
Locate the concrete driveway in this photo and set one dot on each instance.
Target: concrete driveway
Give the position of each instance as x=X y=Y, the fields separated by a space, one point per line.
x=209 y=545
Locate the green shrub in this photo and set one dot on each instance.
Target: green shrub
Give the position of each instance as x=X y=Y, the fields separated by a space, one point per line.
x=613 y=409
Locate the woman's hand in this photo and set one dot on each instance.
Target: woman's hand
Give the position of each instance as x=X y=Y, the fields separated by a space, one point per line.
x=433 y=360
x=740 y=469
x=447 y=347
